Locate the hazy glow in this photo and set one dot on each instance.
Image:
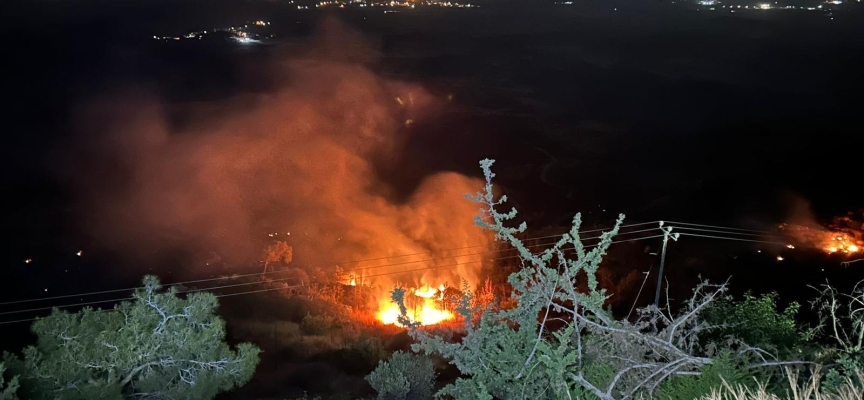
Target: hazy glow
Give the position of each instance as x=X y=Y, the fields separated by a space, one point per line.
x=313 y=157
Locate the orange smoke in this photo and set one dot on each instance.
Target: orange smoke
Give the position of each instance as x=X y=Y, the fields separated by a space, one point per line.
x=303 y=159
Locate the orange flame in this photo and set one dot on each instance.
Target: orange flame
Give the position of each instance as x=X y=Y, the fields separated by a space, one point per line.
x=832 y=242
x=426 y=311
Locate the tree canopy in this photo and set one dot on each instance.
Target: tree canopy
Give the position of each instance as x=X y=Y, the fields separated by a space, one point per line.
x=157 y=346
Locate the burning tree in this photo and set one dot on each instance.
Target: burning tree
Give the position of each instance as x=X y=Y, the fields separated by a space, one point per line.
x=278 y=252
x=514 y=353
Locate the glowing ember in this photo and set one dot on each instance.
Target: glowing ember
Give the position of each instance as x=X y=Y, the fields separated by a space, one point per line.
x=353 y=282
x=842 y=244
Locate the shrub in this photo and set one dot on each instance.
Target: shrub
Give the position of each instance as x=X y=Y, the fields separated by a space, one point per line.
x=516 y=353
x=157 y=346
x=317 y=324
x=842 y=318
x=722 y=370
x=404 y=376
x=8 y=391
x=758 y=322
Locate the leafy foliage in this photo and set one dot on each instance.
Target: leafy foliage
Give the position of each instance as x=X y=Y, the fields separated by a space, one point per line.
x=512 y=353
x=8 y=391
x=723 y=370
x=317 y=324
x=404 y=377
x=758 y=322
x=158 y=346
x=842 y=321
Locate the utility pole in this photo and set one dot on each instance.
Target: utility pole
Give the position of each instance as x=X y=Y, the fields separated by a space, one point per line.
x=667 y=233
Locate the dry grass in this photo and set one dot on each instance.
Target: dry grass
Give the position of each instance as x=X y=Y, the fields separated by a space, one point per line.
x=806 y=390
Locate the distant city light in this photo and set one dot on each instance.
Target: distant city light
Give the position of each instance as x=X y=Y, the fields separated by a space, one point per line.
x=765 y=6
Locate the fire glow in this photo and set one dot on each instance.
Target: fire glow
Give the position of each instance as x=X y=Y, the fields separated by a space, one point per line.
x=424 y=306
x=831 y=242
x=842 y=244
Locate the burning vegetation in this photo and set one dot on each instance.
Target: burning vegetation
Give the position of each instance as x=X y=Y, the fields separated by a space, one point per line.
x=308 y=164
x=844 y=235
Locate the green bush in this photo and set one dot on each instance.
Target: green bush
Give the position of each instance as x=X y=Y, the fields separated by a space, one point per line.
x=157 y=346
x=758 y=322
x=404 y=376
x=711 y=379
x=8 y=391
x=317 y=324
x=842 y=322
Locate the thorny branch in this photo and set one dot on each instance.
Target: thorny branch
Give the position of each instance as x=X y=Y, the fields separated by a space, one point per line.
x=641 y=354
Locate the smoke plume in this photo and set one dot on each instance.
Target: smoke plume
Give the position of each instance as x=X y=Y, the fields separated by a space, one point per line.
x=297 y=164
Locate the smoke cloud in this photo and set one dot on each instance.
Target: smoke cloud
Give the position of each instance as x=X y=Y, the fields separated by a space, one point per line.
x=297 y=164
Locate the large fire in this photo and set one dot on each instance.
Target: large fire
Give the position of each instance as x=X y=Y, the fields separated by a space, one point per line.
x=424 y=304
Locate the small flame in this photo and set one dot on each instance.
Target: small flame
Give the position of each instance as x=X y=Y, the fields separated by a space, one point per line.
x=426 y=293
x=353 y=282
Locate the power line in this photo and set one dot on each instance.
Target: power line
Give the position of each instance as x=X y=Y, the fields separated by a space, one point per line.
x=481 y=245
x=715 y=226
x=132 y=298
x=284 y=279
x=487 y=252
x=357 y=261
x=137 y=287
x=726 y=232
x=733 y=238
x=388 y=265
x=220 y=295
x=403 y=255
x=374 y=275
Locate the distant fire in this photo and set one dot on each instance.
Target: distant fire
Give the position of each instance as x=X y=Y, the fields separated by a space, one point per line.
x=840 y=238
x=425 y=305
